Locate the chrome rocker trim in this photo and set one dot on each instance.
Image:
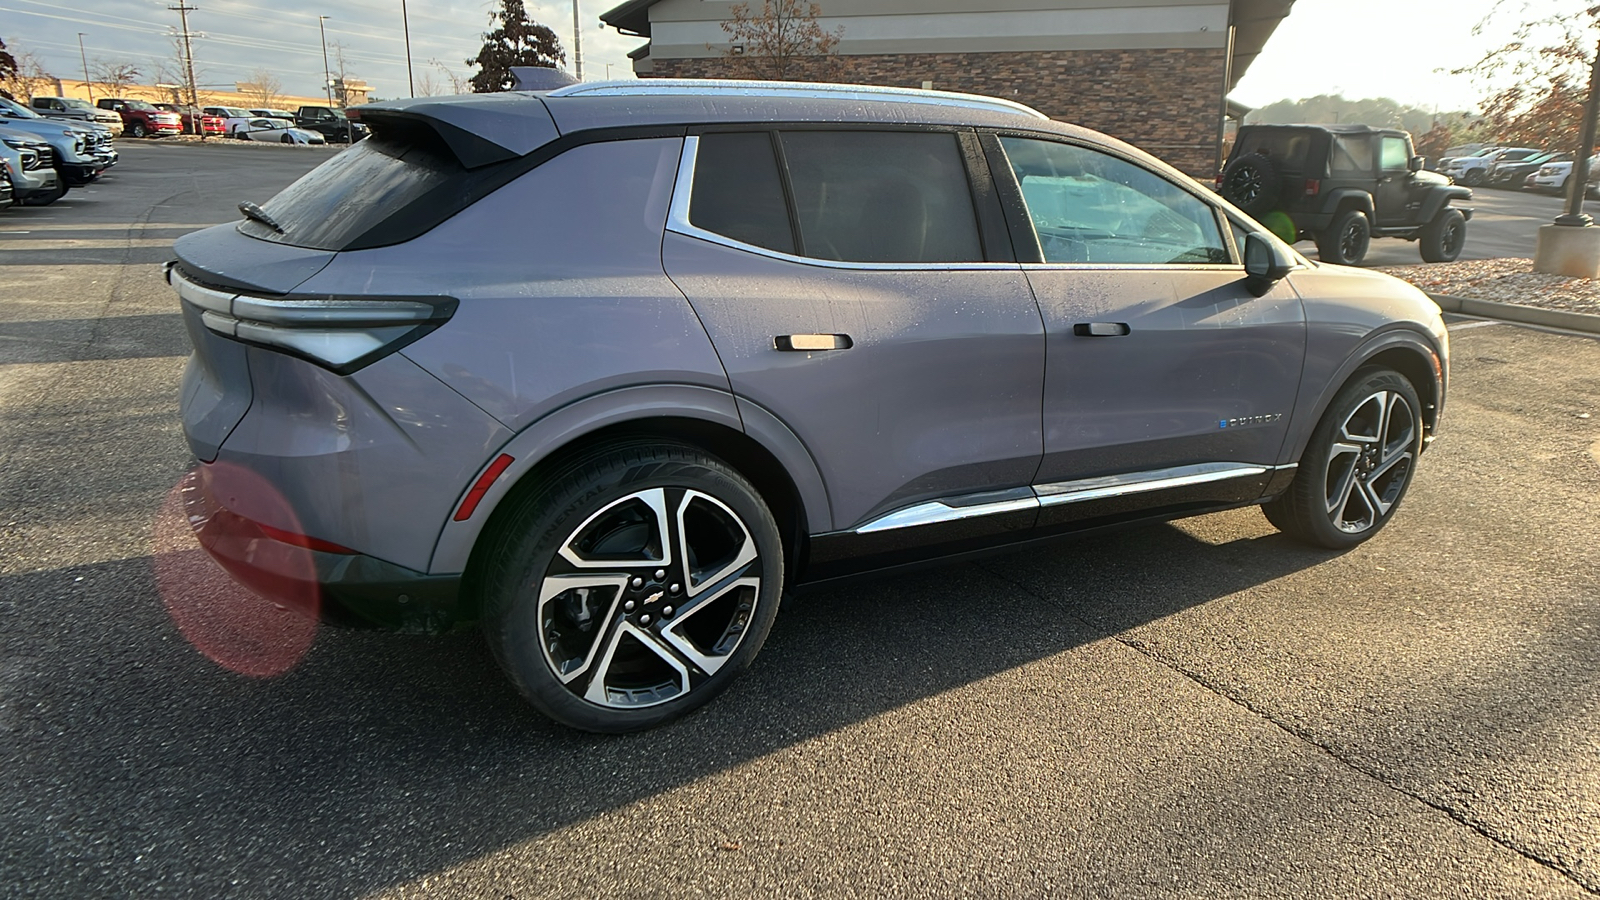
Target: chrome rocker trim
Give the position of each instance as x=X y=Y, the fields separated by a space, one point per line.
x=1039 y=496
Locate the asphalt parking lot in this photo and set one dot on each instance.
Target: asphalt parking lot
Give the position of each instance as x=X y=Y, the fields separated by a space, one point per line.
x=1505 y=223
x=1201 y=709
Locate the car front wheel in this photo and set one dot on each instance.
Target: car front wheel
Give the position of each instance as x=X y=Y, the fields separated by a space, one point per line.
x=1345 y=242
x=1443 y=238
x=1357 y=465
x=632 y=586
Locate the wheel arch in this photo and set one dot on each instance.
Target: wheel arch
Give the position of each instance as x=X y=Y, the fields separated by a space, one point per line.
x=756 y=444
x=1341 y=199
x=1438 y=199
x=1402 y=350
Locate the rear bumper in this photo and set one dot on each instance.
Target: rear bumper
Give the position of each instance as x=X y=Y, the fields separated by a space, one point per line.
x=341 y=588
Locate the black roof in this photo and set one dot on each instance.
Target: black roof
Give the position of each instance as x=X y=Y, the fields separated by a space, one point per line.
x=1332 y=129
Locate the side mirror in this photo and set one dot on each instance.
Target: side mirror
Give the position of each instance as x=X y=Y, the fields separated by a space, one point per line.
x=1417 y=163
x=1266 y=262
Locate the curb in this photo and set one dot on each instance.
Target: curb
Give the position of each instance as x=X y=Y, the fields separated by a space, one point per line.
x=1523 y=315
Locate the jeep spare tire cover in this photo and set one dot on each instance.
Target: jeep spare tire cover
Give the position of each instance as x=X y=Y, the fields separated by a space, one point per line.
x=1251 y=182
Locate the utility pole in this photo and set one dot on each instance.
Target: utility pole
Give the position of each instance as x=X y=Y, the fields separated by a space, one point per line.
x=405 y=21
x=87 y=85
x=577 y=42
x=327 y=76
x=183 y=10
x=1578 y=180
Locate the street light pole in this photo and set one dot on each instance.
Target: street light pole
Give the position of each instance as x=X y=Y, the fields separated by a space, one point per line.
x=87 y=84
x=405 y=22
x=577 y=43
x=1578 y=181
x=327 y=77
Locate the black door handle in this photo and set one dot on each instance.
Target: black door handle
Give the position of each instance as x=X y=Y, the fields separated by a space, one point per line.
x=806 y=343
x=1100 y=329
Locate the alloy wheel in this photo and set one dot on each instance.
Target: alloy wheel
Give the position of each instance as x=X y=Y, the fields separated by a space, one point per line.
x=1370 y=461
x=1350 y=240
x=1246 y=184
x=648 y=598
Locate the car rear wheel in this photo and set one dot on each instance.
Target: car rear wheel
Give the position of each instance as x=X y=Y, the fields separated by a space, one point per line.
x=1443 y=238
x=1345 y=242
x=1357 y=465
x=632 y=586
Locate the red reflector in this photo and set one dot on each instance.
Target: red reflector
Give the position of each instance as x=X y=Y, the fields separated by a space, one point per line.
x=474 y=496
x=1312 y=187
x=301 y=540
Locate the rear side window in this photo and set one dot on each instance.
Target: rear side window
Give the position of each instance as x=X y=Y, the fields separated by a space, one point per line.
x=1350 y=156
x=738 y=193
x=342 y=199
x=1287 y=147
x=882 y=197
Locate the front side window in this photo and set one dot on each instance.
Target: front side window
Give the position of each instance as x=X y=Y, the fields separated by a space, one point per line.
x=1393 y=156
x=882 y=196
x=1090 y=207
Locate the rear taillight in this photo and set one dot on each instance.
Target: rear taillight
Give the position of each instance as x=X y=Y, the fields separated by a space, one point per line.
x=1313 y=187
x=343 y=334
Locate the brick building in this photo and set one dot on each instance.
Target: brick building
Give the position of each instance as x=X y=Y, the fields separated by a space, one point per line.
x=1153 y=72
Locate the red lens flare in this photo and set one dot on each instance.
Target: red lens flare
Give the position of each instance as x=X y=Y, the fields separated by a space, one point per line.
x=244 y=593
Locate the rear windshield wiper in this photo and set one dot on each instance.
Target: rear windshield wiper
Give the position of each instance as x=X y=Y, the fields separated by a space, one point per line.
x=253 y=211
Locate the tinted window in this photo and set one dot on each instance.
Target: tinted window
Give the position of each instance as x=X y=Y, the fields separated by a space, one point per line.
x=1286 y=146
x=1350 y=155
x=737 y=192
x=1393 y=156
x=344 y=197
x=865 y=196
x=1088 y=207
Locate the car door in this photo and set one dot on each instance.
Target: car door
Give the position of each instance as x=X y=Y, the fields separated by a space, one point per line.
x=1393 y=197
x=853 y=294
x=1167 y=380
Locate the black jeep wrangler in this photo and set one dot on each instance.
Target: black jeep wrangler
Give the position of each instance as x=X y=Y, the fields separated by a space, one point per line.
x=1342 y=185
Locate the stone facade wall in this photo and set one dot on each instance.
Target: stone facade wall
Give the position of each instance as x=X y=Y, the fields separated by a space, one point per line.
x=1166 y=102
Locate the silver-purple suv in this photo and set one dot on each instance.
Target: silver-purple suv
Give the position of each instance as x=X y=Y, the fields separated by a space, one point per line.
x=609 y=369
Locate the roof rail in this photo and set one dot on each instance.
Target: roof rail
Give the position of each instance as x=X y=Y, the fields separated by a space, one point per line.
x=666 y=87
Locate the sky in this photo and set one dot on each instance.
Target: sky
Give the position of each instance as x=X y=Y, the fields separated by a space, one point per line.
x=1360 y=48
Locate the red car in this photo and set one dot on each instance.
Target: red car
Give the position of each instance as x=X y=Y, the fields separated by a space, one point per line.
x=140 y=119
x=208 y=124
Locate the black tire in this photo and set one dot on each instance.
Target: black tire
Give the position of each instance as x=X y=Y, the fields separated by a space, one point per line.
x=1345 y=242
x=1253 y=183
x=1443 y=238
x=1357 y=466
x=138 y=130
x=1472 y=177
x=47 y=199
x=631 y=658
x=286 y=139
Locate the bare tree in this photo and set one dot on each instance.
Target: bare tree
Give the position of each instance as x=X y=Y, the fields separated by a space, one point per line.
x=28 y=78
x=262 y=87
x=115 y=76
x=782 y=40
x=1538 y=81
x=442 y=81
x=342 y=76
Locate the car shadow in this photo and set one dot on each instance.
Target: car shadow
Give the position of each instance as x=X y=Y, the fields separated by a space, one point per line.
x=138 y=765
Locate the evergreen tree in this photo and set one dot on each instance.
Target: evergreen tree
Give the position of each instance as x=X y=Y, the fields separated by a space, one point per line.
x=519 y=41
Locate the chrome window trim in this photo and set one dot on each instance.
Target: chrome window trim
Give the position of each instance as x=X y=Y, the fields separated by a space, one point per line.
x=678 y=223
x=694 y=87
x=1134 y=267
x=1056 y=493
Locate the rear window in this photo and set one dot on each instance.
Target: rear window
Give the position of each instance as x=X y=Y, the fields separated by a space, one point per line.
x=339 y=201
x=1282 y=145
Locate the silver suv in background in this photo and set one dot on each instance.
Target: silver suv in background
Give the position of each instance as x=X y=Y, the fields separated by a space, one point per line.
x=611 y=369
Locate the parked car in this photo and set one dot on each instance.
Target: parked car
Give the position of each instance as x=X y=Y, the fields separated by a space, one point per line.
x=233 y=118
x=1472 y=170
x=274 y=114
x=81 y=152
x=188 y=116
x=76 y=109
x=1514 y=174
x=331 y=123
x=1452 y=155
x=1593 y=192
x=31 y=164
x=142 y=119
x=626 y=431
x=1551 y=178
x=277 y=131
x=1342 y=185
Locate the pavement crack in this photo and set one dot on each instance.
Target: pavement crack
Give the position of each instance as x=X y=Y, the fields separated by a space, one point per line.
x=1355 y=764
